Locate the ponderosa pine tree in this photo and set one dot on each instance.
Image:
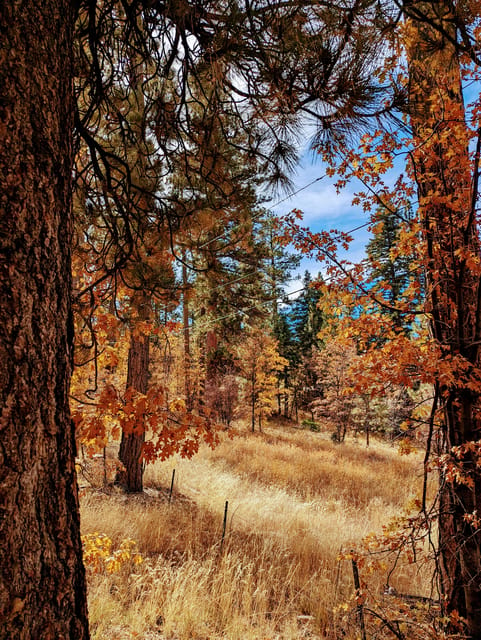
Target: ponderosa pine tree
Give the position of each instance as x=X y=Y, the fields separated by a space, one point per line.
x=42 y=580
x=447 y=184
x=132 y=441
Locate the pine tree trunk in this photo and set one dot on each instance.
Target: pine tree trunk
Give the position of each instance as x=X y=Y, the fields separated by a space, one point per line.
x=253 y=401
x=198 y=389
x=132 y=441
x=131 y=444
x=286 y=401
x=42 y=580
x=450 y=234
x=185 y=321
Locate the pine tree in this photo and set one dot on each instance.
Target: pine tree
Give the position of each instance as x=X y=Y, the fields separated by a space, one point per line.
x=42 y=579
x=388 y=268
x=305 y=316
x=297 y=331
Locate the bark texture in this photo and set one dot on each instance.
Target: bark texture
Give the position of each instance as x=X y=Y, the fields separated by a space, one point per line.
x=131 y=444
x=42 y=582
x=446 y=206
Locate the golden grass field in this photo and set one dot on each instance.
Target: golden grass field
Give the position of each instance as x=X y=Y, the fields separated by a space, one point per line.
x=296 y=500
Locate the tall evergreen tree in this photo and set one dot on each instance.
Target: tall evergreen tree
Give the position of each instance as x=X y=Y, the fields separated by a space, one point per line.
x=390 y=269
x=305 y=316
x=42 y=580
x=298 y=325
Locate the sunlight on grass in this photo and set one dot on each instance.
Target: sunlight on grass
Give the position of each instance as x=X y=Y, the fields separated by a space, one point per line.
x=295 y=501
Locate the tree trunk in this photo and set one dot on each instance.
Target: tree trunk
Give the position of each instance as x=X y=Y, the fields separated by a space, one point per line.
x=185 y=322
x=253 y=401
x=286 y=403
x=132 y=441
x=131 y=444
x=367 y=420
x=42 y=580
x=446 y=207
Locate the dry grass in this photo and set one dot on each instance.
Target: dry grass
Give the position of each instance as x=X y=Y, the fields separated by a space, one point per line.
x=311 y=467
x=295 y=500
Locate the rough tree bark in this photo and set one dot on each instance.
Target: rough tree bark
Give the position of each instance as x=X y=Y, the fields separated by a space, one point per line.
x=446 y=205
x=130 y=452
x=42 y=581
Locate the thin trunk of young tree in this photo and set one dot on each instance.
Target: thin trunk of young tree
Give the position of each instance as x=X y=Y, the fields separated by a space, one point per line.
x=446 y=206
x=42 y=579
x=199 y=399
x=185 y=322
x=253 y=400
x=286 y=398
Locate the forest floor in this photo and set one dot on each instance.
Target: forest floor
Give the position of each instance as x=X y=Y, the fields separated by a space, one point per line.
x=295 y=503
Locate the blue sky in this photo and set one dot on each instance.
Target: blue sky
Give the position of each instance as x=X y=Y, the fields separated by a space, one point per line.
x=323 y=209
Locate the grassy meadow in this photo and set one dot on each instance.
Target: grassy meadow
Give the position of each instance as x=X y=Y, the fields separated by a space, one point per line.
x=296 y=501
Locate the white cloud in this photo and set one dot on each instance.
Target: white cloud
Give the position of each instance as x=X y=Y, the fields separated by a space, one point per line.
x=324 y=209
